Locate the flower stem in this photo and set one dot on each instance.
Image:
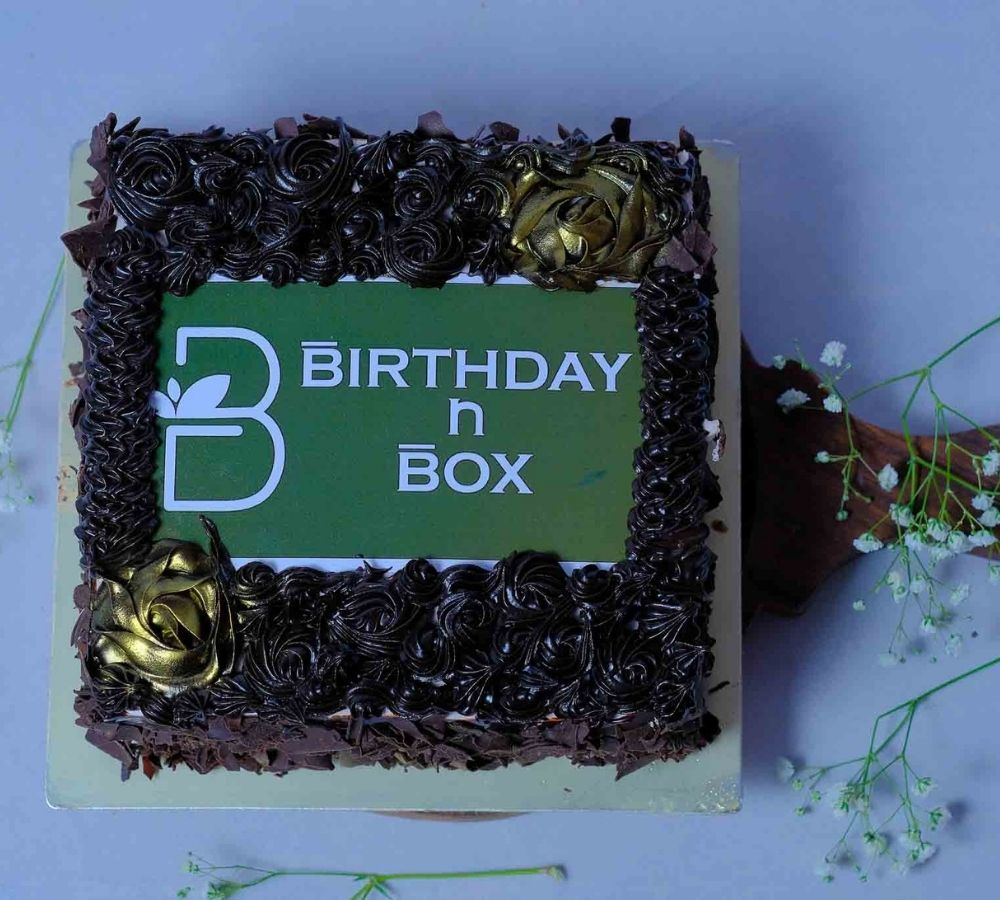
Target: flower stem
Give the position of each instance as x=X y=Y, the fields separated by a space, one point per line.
x=920 y=698
x=29 y=357
x=958 y=344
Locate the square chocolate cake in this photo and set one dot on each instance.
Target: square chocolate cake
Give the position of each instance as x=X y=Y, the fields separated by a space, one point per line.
x=394 y=448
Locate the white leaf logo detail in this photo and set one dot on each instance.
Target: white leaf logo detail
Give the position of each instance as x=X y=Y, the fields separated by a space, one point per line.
x=163 y=405
x=173 y=390
x=203 y=398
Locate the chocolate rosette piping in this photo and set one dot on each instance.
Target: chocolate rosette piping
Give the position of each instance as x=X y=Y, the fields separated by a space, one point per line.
x=310 y=171
x=118 y=689
x=281 y=663
x=150 y=176
x=254 y=592
x=216 y=174
x=420 y=193
x=593 y=592
x=379 y=160
x=512 y=701
x=466 y=613
x=425 y=253
x=358 y=228
x=279 y=229
x=419 y=583
x=529 y=584
x=250 y=148
x=372 y=620
x=627 y=673
x=427 y=653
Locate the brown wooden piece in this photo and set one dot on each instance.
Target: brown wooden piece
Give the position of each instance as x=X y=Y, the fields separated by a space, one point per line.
x=792 y=542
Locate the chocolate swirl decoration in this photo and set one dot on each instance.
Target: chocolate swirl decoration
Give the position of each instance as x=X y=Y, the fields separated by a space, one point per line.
x=420 y=193
x=601 y=666
x=309 y=171
x=564 y=214
x=424 y=253
x=149 y=178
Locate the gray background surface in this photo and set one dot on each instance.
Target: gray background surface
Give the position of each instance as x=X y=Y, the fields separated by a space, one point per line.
x=868 y=135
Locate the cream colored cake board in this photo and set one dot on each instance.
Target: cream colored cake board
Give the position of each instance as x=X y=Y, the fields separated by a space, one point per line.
x=81 y=776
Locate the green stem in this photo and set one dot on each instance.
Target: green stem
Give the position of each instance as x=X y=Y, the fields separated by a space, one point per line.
x=26 y=363
x=973 y=334
x=417 y=876
x=920 y=698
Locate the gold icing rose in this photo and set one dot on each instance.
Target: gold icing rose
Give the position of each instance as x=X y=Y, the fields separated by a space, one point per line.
x=167 y=619
x=569 y=231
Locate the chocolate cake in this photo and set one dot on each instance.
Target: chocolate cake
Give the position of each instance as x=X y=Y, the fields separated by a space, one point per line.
x=191 y=658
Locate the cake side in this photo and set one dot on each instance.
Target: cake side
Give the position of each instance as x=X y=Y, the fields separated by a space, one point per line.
x=469 y=668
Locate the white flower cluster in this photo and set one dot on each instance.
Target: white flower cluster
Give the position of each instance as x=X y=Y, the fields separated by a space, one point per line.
x=920 y=544
x=852 y=800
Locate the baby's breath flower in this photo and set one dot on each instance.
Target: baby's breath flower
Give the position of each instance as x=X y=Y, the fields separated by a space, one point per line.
x=801 y=810
x=824 y=872
x=894 y=579
x=859 y=606
x=5 y=441
x=833 y=403
x=842 y=515
x=924 y=786
x=918 y=585
x=939 y=817
x=982 y=502
x=874 y=842
x=929 y=625
x=840 y=802
x=982 y=538
x=953 y=646
x=960 y=593
x=922 y=853
x=888 y=477
x=779 y=362
x=938 y=530
x=823 y=457
x=784 y=769
x=833 y=354
x=222 y=890
x=939 y=553
x=990 y=518
x=994 y=573
x=791 y=399
x=798 y=784
x=900 y=593
x=889 y=659
x=914 y=540
x=815 y=795
x=867 y=543
x=956 y=542
x=901 y=515
x=991 y=463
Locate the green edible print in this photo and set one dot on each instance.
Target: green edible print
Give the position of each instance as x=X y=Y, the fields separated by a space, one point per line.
x=382 y=421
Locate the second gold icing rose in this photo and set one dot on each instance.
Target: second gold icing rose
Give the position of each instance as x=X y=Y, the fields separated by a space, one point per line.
x=569 y=232
x=167 y=619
